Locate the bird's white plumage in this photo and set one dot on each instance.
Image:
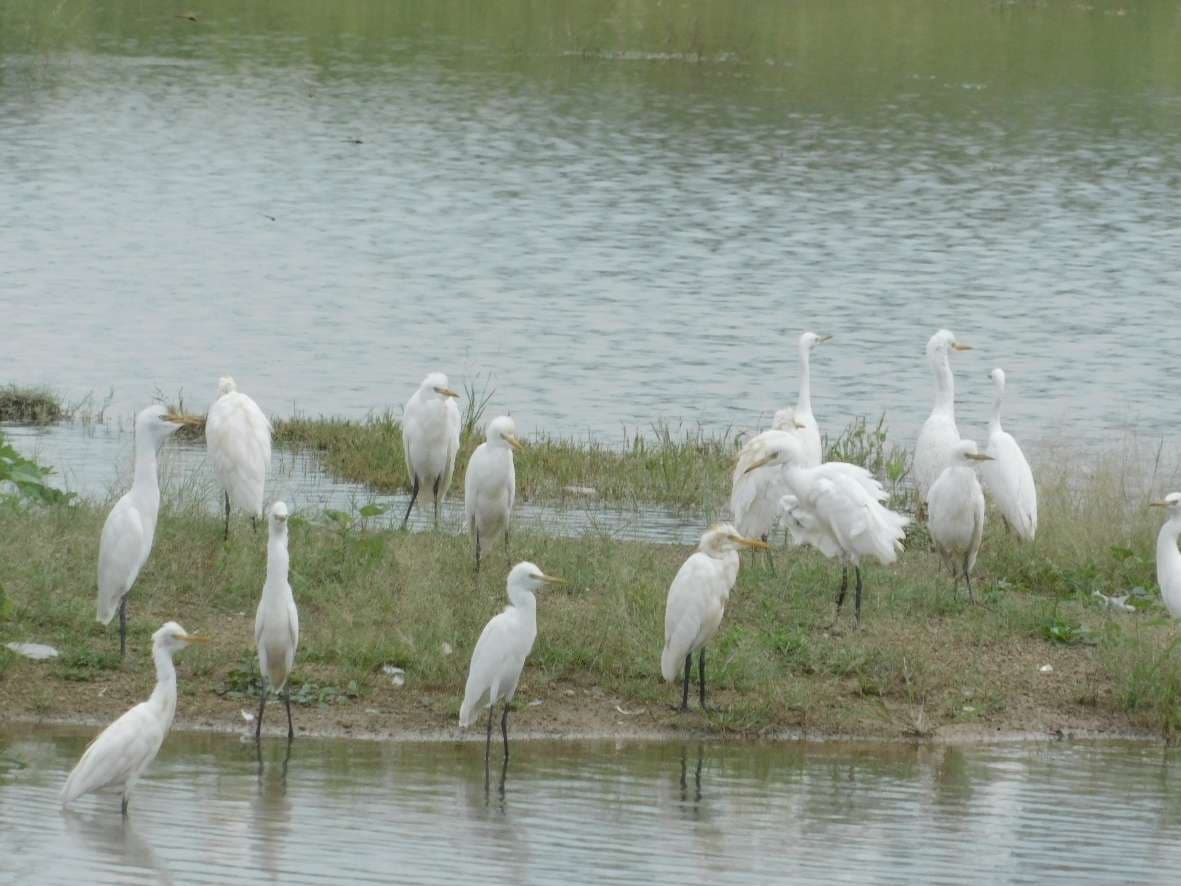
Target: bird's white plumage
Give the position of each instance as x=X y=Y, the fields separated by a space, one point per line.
x=238 y=441
x=939 y=432
x=956 y=510
x=490 y=484
x=694 y=608
x=1168 y=558
x=122 y=751
x=1008 y=477
x=430 y=434
x=276 y=622
x=504 y=644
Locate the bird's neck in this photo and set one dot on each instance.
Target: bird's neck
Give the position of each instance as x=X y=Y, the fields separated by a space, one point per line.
x=164 y=695
x=278 y=561
x=525 y=604
x=804 y=403
x=994 y=424
x=146 y=478
x=1168 y=558
x=944 y=384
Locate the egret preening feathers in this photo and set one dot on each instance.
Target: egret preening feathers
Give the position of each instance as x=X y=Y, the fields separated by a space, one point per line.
x=130 y=528
x=490 y=485
x=939 y=434
x=430 y=439
x=238 y=441
x=501 y=651
x=118 y=757
x=696 y=602
x=955 y=516
x=837 y=508
x=1168 y=559
x=276 y=623
x=1008 y=477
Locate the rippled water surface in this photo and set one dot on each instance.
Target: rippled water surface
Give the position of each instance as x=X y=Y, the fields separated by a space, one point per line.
x=598 y=812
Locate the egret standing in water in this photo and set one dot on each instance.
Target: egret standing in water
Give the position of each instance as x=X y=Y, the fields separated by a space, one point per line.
x=118 y=757
x=837 y=508
x=130 y=528
x=1168 y=559
x=276 y=623
x=754 y=498
x=238 y=440
x=1008 y=477
x=501 y=651
x=939 y=433
x=490 y=485
x=956 y=512
x=696 y=602
x=430 y=437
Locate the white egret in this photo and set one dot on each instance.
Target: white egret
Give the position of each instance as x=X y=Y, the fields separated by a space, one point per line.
x=696 y=602
x=430 y=437
x=1008 y=477
x=754 y=498
x=956 y=512
x=1168 y=559
x=490 y=485
x=501 y=651
x=118 y=757
x=837 y=508
x=238 y=440
x=276 y=623
x=939 y=433
x=130 y=528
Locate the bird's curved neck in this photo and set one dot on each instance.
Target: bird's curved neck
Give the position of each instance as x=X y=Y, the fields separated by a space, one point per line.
x=944 y=384
x=1168 y=558
x=524 y=602
x=164 y=695
x=146 y=478
x=278 y=560
x=804 y=403
x=998 y=395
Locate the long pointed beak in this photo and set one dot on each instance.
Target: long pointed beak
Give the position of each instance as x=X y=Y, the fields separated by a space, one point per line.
x=979 y=456
x=822 y=339
x=447 y=392
x=179 y=419
x=758 y=464
x=552 y=579
x=959 y=346
x=514 y=442
x=753 y=543
x=1158 y=504
x=195 y=638
x=799 y=424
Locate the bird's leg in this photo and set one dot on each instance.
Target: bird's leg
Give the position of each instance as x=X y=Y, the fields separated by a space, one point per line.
x=287 y=702
x=413 y=496
x=770 y=556
x=226 y=535
x=261 y=706
x=437 y=479
x=123 y=804
x=841 y=593
x=123 y=627
x=701 y=678
x=504 y=730
x=488 y=740
x=968 y=582
x=857 y=599
x=685 y=691
x=253 y=523
x=477 y=550
x=508 y=554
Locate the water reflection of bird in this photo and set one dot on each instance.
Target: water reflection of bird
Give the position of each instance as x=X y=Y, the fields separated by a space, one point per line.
x=130 y=528
x=1168 y=558
x=1008 y=477
x=956 y=512
x=430 y=439
x=939 y=433
x=696 y=602
x=272 y=811
x=490 y=485
x=238 y=441
x=120 y=840
x=501 y=651
x=118 y=757
x=276 y=622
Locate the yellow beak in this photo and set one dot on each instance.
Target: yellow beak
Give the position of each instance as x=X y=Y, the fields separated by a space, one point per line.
x=552 y=579
x=979 y=456
x=1158 y=504
x=753 y=543
x=195 y=638
x=178 y=419
x=447 y=392
x=758 y=464
x=823 y=339
x=958 y=346
x=514 y=442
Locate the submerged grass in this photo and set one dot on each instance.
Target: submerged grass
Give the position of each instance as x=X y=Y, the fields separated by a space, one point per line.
x=36 y=406
x=925 y=660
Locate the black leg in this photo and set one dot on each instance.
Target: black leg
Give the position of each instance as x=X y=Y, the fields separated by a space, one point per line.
x=123 y=627
x=261 y=706
x=841 y=592
x=123 y=805
x=226 y=535
x=508 y=554
x=287 y=701
x=968 y=582
x=685 y=690
x=701 y=677
x=253 y=523
x=504 y=730
x=477 y=550
x=413 y=496
x=488 y=741
x=770 y=556
x=857 y=601
x=436 y=491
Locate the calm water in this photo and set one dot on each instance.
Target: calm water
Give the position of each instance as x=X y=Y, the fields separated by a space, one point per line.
x=610 y=211
x=598 y=812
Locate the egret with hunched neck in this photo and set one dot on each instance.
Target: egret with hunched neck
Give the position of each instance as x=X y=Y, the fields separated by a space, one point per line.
x=238 y=440
x=956 y=512
x=490 y=485
x=430 y=439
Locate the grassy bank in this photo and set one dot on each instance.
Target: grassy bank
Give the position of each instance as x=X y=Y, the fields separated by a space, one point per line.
x=925 y=662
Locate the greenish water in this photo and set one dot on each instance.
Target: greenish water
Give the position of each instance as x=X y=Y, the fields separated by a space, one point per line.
x=622 y=812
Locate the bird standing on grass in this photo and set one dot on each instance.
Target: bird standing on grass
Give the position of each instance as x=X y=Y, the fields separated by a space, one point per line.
x=118 y=757
x=696 y=602
x=837 y=508
x=938 y=434
x=490 y=485
x=238 y=440
x=130 y=528
x=430 y=438
x=276 y=623
x=1008 y=477
x=501 y=651
x=1168 y=559
x=956 y=512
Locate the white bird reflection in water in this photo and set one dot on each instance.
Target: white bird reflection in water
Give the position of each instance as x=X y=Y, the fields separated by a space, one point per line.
x=115 y=839
x=272 y=810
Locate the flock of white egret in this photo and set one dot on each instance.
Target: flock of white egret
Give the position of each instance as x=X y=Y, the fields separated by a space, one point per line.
x=836 y=507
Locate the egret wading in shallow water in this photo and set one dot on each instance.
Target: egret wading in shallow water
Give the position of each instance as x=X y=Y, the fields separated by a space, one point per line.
x=276 y=623
x=1008 y=477
x=1168 y=559
x=118 y=757
x=501 y=651
x=956 y=512
x=837 y=508
x=130 y=528
x=238 y=440
x=430 y=438
x=754 y=497
x=696 y=602
x=490 y=485
x=939 y=434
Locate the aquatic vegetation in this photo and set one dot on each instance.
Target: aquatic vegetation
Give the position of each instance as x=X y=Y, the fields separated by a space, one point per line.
x=34 y=406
